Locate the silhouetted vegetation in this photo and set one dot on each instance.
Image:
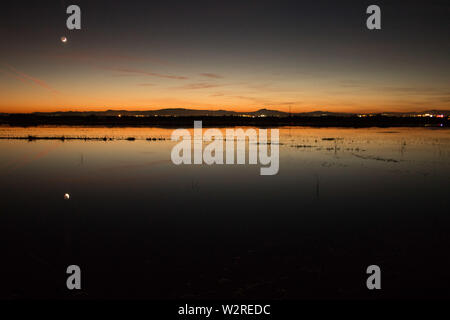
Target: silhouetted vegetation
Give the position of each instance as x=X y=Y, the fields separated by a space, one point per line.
x=64 y=138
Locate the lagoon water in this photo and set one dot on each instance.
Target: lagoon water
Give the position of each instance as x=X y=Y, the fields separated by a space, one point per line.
x=141 y=227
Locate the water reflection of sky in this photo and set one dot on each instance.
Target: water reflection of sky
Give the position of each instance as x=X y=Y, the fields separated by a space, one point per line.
x=352 y=188
x=328 y=159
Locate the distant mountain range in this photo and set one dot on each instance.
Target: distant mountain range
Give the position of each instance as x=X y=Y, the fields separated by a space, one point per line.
x=181 y=112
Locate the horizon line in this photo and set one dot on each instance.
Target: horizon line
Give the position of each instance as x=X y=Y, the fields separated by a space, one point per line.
x=226 y=110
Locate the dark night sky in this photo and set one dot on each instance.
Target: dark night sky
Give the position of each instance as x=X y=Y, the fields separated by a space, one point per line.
x=241 y=55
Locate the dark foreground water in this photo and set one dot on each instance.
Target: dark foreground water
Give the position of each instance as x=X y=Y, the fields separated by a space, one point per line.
x=141 y=227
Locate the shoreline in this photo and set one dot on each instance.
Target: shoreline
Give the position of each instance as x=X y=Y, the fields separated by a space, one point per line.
x=220 y=122
x=64 y=138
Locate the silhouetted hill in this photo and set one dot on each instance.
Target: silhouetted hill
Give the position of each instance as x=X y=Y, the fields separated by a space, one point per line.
x=182 y=112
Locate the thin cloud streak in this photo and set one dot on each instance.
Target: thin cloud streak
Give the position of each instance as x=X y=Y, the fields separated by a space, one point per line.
x=27 y=78
x=146 y=84
x=98 y=61
x=98 y=57
x=9 y=74
x=195 y=86
x=141 y=72
x=212 y=75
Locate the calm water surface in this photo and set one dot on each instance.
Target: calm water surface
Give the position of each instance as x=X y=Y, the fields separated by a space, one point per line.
x=141 y=227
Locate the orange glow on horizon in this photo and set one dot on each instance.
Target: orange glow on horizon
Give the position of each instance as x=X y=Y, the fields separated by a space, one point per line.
x=27 y=92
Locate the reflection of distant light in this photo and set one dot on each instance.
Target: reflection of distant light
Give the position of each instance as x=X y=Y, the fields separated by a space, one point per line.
x=66 y=196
